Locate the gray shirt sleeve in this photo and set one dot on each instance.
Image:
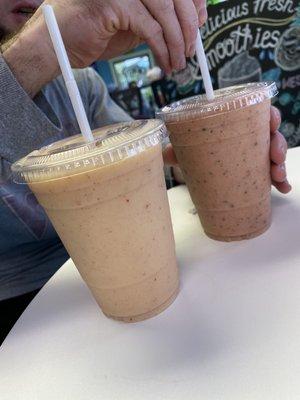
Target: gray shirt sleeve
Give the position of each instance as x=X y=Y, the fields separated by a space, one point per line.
x=27 y=124
x=21 y=119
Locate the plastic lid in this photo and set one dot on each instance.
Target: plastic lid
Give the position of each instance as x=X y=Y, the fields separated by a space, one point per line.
x=227 y=99
x=72 y=155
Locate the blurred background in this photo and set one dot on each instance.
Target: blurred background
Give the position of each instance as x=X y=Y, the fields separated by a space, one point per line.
x=244 y=42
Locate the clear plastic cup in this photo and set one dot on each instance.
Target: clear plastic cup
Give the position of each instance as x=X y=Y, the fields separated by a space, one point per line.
x=108 y=202
x=223 y=148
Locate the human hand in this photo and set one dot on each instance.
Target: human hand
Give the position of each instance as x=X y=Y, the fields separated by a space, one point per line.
x=101 y=29
x=278 y=154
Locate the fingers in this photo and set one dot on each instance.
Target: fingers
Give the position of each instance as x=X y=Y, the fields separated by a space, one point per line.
x=169 y=156
x=283 y=187
x=279 y=178
x=170 y=28
x=144 y=25
x=275 y=119
x=278 y=156
x=188 y=17
x=201 y=8
x=278 y=173
x=168 y=18
x=278 y=148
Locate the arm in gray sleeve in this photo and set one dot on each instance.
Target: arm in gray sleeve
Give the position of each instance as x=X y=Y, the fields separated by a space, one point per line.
x=23 y=125
x=103 y=110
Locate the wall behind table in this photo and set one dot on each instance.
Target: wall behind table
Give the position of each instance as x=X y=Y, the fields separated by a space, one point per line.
x=103 y=68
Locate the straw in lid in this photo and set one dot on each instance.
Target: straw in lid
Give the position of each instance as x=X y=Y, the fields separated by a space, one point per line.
x=72 y=155
x=67 y=72
x=226 y=100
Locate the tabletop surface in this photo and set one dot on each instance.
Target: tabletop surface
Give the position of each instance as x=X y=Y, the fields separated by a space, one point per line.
x=233 y=332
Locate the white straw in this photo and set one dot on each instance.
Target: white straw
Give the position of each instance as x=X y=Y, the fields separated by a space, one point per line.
x=204 y=68
x=67 y=72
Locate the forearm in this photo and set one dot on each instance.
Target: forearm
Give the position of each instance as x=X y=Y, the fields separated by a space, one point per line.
x=24 y=126
x=31 y=58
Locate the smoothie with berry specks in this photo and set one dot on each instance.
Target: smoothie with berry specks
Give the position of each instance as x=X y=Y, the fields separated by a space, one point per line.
x=223 y=149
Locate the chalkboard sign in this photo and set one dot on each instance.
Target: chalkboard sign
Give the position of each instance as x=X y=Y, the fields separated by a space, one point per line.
x=250 y=41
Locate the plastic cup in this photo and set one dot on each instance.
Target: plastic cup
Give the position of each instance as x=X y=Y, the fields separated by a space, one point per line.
x=108 y=203
x=223 y=148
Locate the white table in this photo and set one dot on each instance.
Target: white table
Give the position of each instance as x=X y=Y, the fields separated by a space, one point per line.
x=233 y=333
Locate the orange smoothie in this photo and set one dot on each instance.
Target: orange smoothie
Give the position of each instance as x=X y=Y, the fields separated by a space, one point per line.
x=114 y=220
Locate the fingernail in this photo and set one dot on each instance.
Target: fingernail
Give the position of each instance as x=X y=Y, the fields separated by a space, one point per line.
x=288 y=183
x=283 y=149
x=277 y=114
x=181 y=65
x=192 y=51
x=202 y=16
x=168 y=69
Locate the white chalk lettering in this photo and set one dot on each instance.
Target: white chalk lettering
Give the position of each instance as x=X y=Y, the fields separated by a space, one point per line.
x=286 y=6
x=224 y=17
x=239 y=41
x=243 y=38
x=266 y=39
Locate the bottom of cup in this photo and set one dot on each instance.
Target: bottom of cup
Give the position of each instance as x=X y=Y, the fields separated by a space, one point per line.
x=149 y=314
x=240 y=237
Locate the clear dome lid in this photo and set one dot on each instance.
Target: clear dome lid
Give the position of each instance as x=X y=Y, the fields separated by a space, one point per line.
x=72 y=155
x=226 y=100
